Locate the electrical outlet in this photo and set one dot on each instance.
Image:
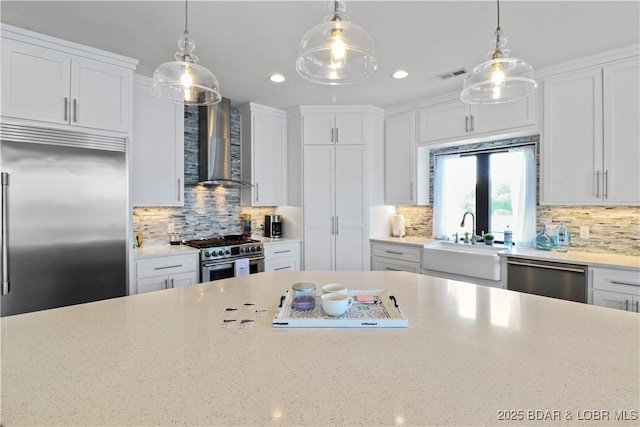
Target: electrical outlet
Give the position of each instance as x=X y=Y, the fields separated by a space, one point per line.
x=584 y=232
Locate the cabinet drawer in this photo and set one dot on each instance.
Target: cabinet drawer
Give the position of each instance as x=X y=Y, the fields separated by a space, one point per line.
x=281 y=250
x=395 y=251
x=616 y=280
x=385 y=264
x=284 y=264
x=167 y=265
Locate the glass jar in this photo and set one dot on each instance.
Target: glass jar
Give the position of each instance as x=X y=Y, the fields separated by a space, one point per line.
x=561 y=238
x=304 y=296
x=542 y=240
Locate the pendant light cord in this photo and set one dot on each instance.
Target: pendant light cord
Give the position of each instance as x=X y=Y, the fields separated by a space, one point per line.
x=498 y=1
x=186 y=15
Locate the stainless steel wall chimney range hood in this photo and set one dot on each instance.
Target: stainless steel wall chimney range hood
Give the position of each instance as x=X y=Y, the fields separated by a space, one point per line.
x=214 y=145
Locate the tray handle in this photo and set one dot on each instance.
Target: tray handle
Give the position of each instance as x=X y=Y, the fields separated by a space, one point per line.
x=392 y=298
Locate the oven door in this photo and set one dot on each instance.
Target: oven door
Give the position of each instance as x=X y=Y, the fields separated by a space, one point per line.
x=226 y=269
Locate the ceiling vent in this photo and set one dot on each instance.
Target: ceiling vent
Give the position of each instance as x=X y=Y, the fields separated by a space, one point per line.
x=453 y=73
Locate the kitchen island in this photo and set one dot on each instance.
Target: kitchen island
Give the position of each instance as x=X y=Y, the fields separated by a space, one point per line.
x=471 y=355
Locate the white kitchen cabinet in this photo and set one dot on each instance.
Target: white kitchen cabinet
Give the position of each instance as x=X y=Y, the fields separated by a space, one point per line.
x=455 y=120
x=328 y=128
x=406 y=164
x=264 y=153
x=590 y=144
x=619 y=289
x=51 y=85
x=165 y=272
x=157 y=168
x=395 y=257
x=334 y=207
x=280 y=256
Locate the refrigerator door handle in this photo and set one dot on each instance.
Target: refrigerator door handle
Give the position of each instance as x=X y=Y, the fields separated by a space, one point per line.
x=5 y=256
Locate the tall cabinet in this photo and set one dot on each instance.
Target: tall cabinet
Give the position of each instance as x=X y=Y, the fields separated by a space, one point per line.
x=336 y=148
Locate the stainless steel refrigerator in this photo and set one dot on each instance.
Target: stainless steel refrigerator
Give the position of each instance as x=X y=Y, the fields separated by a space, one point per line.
x=64 y=213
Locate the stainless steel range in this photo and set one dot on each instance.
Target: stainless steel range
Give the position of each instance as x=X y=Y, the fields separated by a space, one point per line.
x=221 y=257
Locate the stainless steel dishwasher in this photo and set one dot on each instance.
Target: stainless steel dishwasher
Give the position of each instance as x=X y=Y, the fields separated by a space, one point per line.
x=549 y=279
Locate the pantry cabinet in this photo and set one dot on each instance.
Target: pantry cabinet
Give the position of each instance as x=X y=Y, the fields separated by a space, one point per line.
x=157 y=167
x=619 y=289
x=165 y=272
x=454 y=120
x=328 y=128
x=51 y=81
x=264 y=153
x=590 y=141
x=406 y=163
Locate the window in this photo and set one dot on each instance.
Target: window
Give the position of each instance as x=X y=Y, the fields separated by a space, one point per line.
x=497 y=186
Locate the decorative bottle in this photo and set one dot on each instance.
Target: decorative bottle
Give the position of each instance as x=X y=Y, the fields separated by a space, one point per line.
x=508 y=238
x=542 y=240
x=561 y=238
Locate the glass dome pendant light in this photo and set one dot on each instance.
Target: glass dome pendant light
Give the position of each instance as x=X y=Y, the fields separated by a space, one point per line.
x=501 y=78
x=336 y=52
x=183 y=81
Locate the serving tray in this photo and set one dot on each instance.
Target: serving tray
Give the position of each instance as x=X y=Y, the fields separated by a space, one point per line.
x=382 y=312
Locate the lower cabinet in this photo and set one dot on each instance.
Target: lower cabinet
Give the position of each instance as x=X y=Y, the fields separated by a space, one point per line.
x=280 y=256
x=619 y=289
x=175 y=271
x=395 y=257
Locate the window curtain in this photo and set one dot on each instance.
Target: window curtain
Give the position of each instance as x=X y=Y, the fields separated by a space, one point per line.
x=439 y=189
x=523 y=196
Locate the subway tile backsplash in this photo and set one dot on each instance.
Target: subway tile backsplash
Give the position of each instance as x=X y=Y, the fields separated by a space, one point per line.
x=207 y=211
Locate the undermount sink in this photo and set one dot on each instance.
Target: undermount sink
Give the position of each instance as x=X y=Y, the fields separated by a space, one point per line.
x=480 y=261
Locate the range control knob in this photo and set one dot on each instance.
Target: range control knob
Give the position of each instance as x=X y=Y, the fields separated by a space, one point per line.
x=207 y=254
x=228 y=252
x=259 y=248
x=253 y=249
x=220 y=253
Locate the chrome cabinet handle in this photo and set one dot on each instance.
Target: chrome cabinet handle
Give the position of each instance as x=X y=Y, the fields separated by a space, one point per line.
x=395 y=253
x=626 y=305
x=597 y=184
x=75 y=110
x=257 y=191
x=337 y=137
x=332 y=225
x=411 y=191
x=550 y=267
x=637 y=306
x=283 y=268
x=66 y=108
x=605 y=185
x=5 y=248
x=179 y=195
x=332 y=135
x=472 y=124
x=337 y=226
x=466 y=123
x=391 y=269
x=172 y=282
x=617 y=282
x=282 y=252
x=166 y=283
x=168 y=266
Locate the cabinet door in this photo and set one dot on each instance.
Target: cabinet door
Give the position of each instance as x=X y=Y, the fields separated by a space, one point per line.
x=617 y=300
x=100 y=95
x=621 y=132
x=350 y=128
x=35 y=83
x=443 y=121
x=317 y=129
x=505 y=117
x=399 y=160
x=572 y=138
x=268 y=160
x=157 y=150
x=152 y=284
x=319 y=207
x=350 y=213
x=183 y=280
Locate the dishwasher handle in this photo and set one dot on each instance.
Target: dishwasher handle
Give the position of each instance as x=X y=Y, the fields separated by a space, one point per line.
x=551 y=267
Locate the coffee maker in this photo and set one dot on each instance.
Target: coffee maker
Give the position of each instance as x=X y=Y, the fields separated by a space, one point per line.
x=273 y=226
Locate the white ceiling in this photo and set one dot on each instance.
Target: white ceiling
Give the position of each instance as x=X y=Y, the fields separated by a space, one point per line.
x=243 y=42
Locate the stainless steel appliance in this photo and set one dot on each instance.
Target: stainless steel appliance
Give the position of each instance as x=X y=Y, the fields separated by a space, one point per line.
x=64 y=211
x=550 y=279
x=219 y=255
x=273 y=226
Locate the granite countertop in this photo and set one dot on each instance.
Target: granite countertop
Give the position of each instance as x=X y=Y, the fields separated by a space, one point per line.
x=162 y=250
x=407 y=240
x=470 y=355
x=579 y=257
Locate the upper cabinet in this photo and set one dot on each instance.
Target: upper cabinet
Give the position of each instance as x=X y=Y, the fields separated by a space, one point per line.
x=326 y=128
x=264 y=145
x=591 y=140
x=157 y=166
x=56 y=82
x=406 y=163
x=455 y=120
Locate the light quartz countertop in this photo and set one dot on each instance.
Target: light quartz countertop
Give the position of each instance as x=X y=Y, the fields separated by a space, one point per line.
x=407 y=240
x=472 y=355
x=578 y=257
x=270 y=241
x=162 y=250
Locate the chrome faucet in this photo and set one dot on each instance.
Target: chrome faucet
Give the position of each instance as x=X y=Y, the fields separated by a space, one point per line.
x=473 y=227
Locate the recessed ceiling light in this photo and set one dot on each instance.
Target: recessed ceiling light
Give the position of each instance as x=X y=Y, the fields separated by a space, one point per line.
x=400 y=74
x=277 y=78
